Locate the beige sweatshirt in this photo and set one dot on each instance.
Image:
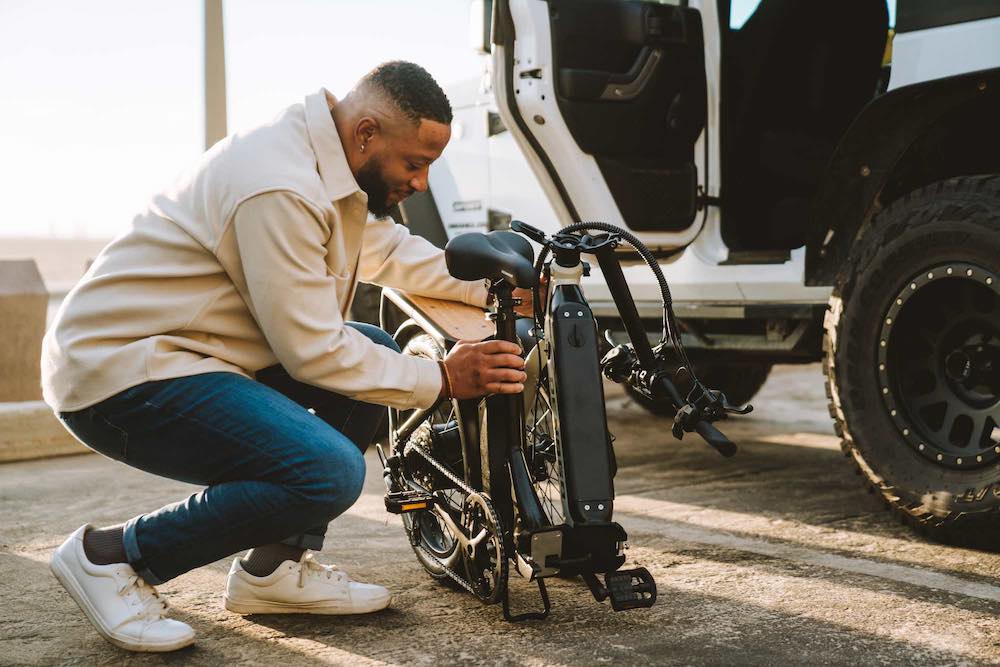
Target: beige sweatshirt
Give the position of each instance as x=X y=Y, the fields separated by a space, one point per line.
x=249 y=260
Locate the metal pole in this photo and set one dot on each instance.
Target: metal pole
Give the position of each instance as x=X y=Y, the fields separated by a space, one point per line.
x=215 y=73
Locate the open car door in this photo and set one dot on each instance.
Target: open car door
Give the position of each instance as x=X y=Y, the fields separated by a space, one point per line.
x=608 y=100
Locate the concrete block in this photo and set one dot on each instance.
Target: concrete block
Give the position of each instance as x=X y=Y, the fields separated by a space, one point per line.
x=30 y=430
x=23 y=305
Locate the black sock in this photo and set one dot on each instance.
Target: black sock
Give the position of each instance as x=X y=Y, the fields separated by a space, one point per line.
x=104 y=546
x=262 y=561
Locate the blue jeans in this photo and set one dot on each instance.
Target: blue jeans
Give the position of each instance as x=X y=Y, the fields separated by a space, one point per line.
x=275 y=471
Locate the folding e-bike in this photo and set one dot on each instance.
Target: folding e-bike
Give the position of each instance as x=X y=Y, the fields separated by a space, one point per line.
x=527 y=480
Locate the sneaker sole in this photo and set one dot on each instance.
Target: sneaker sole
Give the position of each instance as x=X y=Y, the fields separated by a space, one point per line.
x=257 y=607
x=72 y=587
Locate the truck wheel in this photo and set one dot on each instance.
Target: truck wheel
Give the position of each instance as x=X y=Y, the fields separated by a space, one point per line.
x=912 y=359
x=739 y=381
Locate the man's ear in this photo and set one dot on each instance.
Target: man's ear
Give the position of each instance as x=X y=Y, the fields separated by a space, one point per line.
x=366 y=129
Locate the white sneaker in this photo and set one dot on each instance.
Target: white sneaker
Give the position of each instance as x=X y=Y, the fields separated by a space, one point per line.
x=126 y=610
x=305 y=587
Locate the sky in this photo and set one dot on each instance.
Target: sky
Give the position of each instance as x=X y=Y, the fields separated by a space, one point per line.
x=102 y=100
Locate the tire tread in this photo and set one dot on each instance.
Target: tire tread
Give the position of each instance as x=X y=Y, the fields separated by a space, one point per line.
x=974 y=199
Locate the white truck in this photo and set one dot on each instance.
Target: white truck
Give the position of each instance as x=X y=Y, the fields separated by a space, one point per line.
x=815 y=184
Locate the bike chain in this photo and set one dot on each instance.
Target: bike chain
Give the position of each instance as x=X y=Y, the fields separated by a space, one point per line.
x=412 y=444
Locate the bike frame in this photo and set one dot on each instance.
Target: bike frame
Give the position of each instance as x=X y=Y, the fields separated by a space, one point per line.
x=588 y=541
x=498 y=479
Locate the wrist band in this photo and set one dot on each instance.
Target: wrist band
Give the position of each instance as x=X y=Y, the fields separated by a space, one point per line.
x=447 y=379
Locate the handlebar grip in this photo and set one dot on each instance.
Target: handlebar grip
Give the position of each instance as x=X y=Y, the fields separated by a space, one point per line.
x=715 y=438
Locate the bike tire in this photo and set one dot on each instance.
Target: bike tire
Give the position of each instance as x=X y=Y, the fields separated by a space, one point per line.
x=543 y=457
x=423 y=345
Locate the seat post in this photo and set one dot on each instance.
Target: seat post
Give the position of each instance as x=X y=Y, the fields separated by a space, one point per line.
x=506 y=418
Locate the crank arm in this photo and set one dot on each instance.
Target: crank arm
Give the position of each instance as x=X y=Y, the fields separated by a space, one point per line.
x=442 y=514
x=457 y=532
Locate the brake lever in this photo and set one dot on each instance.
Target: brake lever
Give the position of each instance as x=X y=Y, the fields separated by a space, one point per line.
x=619 y=362
x=728 y=408
x=695 y=414
x=689 y=418
x=532 y=233
x=702 y=407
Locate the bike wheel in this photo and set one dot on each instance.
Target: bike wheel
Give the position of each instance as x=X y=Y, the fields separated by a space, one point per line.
x=542 y=453
x=435 y=536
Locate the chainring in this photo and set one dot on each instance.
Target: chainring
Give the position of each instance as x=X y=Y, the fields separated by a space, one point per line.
x=485 y=564
x=485 y=557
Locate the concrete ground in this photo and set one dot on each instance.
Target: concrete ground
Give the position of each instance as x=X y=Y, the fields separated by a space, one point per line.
x=775 y=557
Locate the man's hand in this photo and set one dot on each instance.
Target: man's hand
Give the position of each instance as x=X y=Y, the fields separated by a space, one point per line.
x=489 y=367
x=527 y=307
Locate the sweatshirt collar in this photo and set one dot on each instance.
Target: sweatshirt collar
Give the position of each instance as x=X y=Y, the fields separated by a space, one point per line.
x=334 y=171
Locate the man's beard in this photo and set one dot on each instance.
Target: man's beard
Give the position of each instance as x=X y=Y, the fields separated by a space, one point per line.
x=372 y=184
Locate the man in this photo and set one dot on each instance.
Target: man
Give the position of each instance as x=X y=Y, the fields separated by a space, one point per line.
x=208 y=344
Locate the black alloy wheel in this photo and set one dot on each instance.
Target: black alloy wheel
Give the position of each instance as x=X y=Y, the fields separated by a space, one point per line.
x=939 y=364
x=912 y=359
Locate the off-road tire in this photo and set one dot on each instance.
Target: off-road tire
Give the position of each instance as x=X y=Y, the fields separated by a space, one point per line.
x=947 y=227
x=739 y=382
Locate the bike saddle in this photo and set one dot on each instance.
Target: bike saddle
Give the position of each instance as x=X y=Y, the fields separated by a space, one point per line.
x=473 y=256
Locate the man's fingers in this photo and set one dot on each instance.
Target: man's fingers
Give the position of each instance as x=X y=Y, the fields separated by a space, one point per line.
x=505 y=360
x=499 y=347
x=505 y=375
x=504 y=388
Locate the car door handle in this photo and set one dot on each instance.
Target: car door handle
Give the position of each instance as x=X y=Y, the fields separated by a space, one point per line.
x=586 y=84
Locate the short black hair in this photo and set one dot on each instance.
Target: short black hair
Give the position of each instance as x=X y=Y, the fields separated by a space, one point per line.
x=411 y=88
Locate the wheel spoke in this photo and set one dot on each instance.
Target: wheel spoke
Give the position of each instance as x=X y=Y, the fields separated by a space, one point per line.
x=937 y=396
x=923 y=345
x=544 y=456
x=947 y=421
x=978 y=425
x=543 y=417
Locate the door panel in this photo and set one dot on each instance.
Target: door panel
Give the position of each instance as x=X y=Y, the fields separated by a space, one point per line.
x=630 y=85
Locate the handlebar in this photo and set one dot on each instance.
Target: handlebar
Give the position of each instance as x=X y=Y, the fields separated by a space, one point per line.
x=688 y=412
x=716 y=438
x=639 y=364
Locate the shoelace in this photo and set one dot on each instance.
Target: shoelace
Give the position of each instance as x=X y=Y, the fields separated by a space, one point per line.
x=153 y=606
x=309 y=565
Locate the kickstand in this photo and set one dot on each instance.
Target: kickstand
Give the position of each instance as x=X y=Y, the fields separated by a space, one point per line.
x=531 y=615
x=598 y=590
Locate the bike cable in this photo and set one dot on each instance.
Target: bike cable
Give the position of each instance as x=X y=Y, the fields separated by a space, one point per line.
x=671 y=329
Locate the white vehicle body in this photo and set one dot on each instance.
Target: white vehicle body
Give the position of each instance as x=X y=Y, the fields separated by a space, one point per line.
x=488 y=172
x=812 y=190
x=466 y=186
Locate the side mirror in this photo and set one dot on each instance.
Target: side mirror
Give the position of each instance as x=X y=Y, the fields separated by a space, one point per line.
x=480 y=20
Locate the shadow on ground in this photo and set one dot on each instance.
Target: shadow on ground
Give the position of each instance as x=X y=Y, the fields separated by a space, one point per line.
x=778 y=556
x=40 y=625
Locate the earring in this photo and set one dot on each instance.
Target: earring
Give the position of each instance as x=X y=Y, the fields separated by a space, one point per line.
x=362 y=148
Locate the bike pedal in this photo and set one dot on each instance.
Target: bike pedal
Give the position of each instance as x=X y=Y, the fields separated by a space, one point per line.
x=630 y=589
x=400 y=502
